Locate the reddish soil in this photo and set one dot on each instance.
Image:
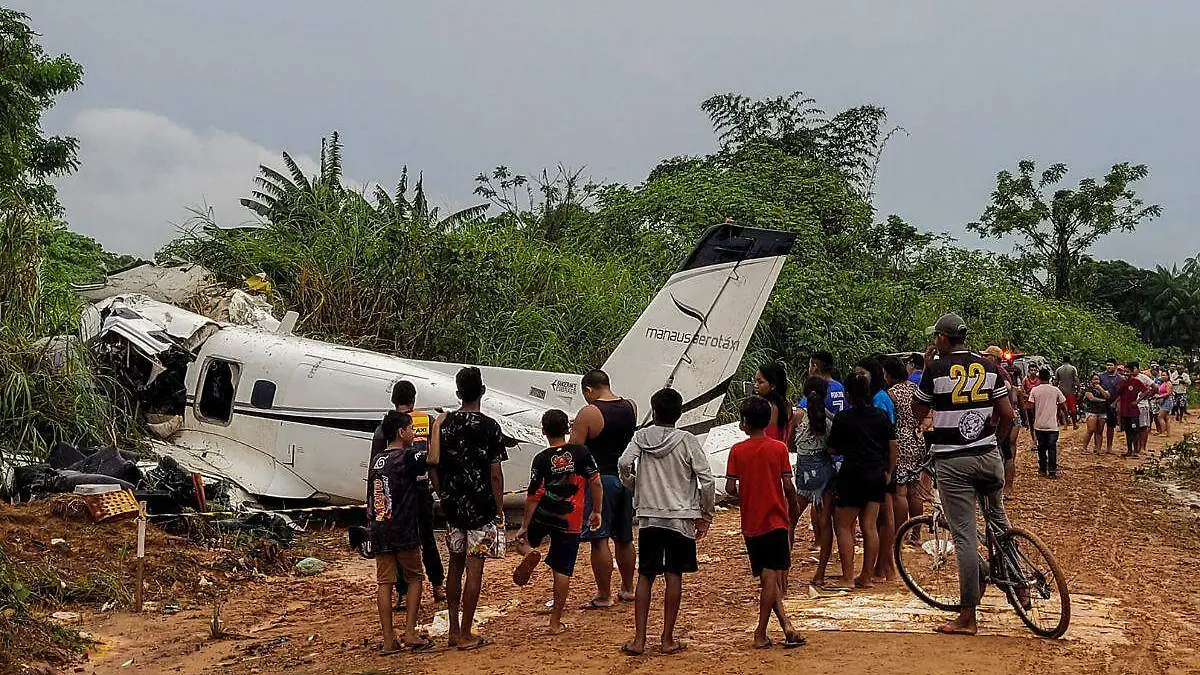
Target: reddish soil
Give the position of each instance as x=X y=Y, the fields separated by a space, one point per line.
x=1116 y=537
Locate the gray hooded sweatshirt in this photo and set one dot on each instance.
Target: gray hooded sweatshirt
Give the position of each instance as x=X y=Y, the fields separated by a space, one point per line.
x=671 y=478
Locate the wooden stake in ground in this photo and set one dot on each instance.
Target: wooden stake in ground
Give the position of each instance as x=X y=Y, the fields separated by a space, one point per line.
x=141 y=557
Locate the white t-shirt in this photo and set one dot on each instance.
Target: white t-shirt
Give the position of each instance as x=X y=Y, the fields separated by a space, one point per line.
x=1046 y=399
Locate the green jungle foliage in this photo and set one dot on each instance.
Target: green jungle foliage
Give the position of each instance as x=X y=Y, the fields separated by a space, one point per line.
x=563 y=268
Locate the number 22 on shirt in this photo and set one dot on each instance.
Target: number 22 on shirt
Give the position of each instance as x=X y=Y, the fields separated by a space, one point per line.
x=968 y=383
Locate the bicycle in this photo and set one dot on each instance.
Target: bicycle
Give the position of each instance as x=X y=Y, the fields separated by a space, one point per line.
x=926 y=559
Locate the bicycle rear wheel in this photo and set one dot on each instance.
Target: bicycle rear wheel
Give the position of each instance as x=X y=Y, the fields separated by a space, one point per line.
x=927 y=561
x=1037 y=587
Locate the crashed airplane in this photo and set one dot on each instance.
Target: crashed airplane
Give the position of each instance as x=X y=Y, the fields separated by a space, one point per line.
x=285 y=417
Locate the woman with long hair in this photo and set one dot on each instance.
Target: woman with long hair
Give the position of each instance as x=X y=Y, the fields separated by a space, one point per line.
x=872 y=367
x=814 y=470
x=770 y=382
x=1095 y=407
x=866 y=438
x=907 y=500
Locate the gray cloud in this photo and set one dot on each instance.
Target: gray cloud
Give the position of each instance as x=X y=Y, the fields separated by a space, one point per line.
x=456 y=88
x=140 y=172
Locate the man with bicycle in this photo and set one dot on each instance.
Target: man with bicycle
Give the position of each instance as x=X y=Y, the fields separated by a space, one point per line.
x=971 y=409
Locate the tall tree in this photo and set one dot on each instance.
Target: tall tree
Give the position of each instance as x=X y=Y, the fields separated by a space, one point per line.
x=29 y=82
x=849 y=142
x=1055 y=232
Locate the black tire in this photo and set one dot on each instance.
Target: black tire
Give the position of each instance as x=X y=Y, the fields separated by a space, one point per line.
x=1048 y=613
x=932 y=578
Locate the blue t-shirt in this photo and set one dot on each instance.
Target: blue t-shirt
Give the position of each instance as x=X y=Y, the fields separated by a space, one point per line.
x=1110 y=384
x=915 y=378
x=835 y=399
x=884 y=403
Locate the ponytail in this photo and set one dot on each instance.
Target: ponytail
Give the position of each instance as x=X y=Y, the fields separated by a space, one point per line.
x=815 y=390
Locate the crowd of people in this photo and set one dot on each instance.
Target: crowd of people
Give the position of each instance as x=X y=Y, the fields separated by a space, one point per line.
x=864 y=447
x=1121 y=397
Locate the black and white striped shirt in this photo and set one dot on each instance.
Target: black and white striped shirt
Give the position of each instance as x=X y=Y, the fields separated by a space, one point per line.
x=961 y=389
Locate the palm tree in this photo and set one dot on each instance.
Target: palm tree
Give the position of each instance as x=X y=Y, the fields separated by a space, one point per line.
x=285 y=199
x=1169 y=312
x=399 y=208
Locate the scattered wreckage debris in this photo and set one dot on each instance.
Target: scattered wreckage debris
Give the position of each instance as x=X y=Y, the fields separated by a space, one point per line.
x=176 y=499
x=174 y=284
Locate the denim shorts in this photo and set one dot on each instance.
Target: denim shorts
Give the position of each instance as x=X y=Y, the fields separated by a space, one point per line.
x=616 y=513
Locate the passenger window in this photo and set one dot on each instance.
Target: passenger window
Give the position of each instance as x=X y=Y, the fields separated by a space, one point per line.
x=217 y=391
x=263 y=394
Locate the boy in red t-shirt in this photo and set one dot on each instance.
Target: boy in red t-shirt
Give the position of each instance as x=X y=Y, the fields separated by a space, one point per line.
x=554 y=510
x=759 y=475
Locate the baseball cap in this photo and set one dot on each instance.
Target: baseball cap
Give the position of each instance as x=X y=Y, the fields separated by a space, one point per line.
x=995 y=351
x=949 y=324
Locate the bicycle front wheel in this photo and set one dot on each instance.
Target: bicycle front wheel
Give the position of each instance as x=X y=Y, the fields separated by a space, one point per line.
x=1037 y=587
x=927 y=561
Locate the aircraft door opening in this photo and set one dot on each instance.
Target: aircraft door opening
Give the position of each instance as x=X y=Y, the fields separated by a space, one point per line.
x=218 y=390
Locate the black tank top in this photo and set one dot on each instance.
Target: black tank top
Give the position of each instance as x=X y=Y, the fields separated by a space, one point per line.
x=620 y=421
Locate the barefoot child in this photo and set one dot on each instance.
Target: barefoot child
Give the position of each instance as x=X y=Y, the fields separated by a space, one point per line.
x=554 y=509
x=866 y=438
x=674 y=499
x=760 y=476
x=395 y=527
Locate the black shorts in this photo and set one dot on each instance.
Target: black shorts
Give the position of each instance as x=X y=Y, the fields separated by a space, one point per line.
x=564 y=547
x=770 y=551
x=1110 y=418
x=662 y=551
x=855 y=491
x=1130 y=424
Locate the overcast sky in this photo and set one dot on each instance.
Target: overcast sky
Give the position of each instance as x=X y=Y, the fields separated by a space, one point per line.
x=181 y=101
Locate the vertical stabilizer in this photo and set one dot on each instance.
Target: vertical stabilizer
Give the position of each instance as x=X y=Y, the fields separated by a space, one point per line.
x=695 y=332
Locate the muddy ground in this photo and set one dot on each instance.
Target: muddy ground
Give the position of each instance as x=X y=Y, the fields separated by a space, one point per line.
x=1129 y=552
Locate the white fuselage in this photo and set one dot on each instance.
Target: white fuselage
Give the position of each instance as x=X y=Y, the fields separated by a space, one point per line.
x=312 y=438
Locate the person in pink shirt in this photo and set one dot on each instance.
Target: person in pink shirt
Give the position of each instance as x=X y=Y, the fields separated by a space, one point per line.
x=1047 y=402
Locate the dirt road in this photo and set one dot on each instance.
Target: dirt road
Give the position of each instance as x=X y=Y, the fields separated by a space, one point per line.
x=1129 y=551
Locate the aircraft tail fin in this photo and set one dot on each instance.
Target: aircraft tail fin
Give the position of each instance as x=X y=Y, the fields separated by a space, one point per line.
x=694 y=333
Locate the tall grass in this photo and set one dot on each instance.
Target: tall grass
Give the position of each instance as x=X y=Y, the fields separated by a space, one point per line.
x=46 y=395
x=477 y=292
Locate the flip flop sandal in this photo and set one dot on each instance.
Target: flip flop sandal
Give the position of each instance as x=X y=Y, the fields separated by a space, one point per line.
x=479 y=643
x=794 y=640
x=766 y=645
x=525 y=569
x=592 y=605
x=629 y=651
x=389 y=652
x=423 y=646
x=674 y=650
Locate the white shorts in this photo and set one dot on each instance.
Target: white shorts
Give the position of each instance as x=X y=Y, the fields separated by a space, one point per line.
x=485 y=542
